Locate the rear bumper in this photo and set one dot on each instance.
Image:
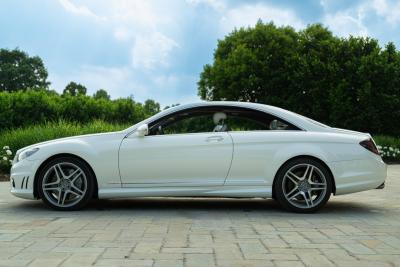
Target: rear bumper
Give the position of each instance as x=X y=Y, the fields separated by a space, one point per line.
x=358 y=175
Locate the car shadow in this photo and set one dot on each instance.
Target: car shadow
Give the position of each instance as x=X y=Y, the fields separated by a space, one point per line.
x=211 y=205
x=221 y=204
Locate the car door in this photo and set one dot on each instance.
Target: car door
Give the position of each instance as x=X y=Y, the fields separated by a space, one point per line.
x=184 y=157
x=257 y=137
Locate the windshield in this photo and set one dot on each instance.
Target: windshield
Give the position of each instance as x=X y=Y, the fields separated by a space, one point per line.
x=159 y=114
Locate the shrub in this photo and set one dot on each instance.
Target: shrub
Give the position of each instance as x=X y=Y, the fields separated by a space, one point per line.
x=19 y=109
x=6 y=156
x=389 y=147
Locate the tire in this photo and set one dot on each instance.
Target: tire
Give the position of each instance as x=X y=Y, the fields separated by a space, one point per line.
x=303 y=185
x=66 y=184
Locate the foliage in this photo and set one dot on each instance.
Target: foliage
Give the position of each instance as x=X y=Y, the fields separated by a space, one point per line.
x=74 y=89
x=19 y=71
x=389 y=147
x=19 y=109
x=151 y=107
x=101 y=94
x=18 y=138
x=350 y=83
x=6 y=156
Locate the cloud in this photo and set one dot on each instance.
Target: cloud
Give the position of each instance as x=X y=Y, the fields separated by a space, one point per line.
x=343 y=23
x=140 y=23
x=152 y=50
x=215 y=4
x=122 y=34
x=143 y=23
x=119 y=82
x=389 y=11
x=362 y=18
x=247 y=15
x=79 y=10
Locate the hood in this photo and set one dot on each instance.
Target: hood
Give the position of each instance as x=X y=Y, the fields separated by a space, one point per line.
x=76 y=137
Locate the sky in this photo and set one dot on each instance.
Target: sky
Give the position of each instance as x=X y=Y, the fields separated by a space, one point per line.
x=157 y=49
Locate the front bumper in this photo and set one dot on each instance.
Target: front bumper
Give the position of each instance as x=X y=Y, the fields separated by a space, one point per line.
x=22 y=178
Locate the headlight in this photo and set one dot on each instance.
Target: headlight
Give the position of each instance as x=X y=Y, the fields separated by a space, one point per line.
x=26 y=153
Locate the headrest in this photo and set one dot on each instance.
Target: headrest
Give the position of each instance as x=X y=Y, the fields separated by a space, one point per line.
x=218 y=116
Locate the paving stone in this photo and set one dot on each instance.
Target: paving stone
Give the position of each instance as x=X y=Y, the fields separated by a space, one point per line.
x=123 y=263
x=199 y=260
x=357 y=249
x=148 y=247
x=244 y=263
x=45 y=262
x=168 y=263
x=316 y=260
x=281 y=263
x=187 y=250
x=360 y=229
x=81 y=259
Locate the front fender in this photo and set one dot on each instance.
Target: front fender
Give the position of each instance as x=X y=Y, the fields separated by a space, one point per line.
x=99 y=152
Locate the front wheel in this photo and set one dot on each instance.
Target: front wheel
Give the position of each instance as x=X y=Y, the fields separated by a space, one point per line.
x=66 y=184
x=303 y=185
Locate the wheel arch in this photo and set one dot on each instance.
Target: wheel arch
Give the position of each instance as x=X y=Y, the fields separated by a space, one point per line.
x=307 y=157
x=35 y=181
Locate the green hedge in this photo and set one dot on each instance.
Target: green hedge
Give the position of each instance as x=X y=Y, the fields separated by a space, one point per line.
x=389 y=147
x=20 y=109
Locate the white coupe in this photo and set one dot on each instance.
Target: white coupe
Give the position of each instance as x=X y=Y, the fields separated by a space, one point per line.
x=209 y=149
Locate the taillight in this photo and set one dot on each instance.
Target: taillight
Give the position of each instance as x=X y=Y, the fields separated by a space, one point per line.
x=370 y=145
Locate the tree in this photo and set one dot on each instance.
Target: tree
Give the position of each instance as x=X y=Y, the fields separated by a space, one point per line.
x=345 y=82
x=101 y=94
x=151 y=107
x=173 y=105
x=19 y=71
x=74 y=89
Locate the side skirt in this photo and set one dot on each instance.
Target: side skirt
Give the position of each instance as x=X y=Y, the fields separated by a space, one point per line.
x=215 y=191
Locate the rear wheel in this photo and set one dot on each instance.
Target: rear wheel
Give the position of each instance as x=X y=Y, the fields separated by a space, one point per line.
x=303 y=185
x=66 y=184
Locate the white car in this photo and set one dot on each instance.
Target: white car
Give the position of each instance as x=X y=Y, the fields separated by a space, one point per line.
x=209 y=149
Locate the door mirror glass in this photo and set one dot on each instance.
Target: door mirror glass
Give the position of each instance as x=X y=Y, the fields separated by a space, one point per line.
x=143 y=130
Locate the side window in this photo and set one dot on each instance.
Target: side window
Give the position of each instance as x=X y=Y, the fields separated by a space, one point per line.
x=191 y=124
x=239 y=123
x=253 y=120
x=184 y=122
x=217 y=119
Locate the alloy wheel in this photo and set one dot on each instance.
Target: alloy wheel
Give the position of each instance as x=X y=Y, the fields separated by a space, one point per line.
x=304 y=186
x=64 y=184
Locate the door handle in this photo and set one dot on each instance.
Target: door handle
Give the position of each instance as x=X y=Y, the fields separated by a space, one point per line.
x=215 y=138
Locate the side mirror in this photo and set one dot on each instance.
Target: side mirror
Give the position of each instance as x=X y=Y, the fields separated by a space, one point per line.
x=143 y=130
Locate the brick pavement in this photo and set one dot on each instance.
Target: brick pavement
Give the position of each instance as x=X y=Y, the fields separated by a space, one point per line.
x=361 y=229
